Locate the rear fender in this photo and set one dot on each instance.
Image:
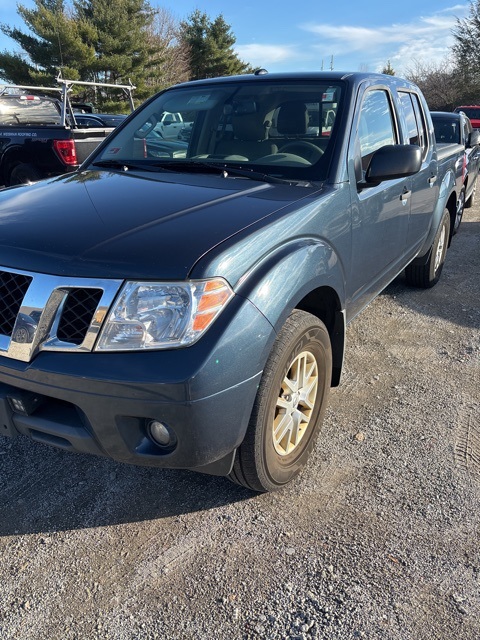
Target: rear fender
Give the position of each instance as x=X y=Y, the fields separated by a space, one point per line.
x=446 y=190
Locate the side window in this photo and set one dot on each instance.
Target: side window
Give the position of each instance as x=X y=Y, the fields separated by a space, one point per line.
x=411 y=120
x=376 y=125
x=466 y=131
x=422 y=128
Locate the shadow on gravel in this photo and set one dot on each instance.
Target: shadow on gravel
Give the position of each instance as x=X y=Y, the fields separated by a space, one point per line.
x=45 y=490
x=455 y=297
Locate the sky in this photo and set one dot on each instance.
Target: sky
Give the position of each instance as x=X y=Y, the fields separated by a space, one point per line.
x=311 y=35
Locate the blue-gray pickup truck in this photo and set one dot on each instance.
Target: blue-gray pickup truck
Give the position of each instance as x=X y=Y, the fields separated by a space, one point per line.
x=185 y=305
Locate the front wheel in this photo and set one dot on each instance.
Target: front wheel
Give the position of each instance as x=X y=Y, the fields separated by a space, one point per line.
x=428 y=274
x=289 y=406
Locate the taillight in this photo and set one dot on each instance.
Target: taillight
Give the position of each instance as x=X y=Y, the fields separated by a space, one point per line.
x=66 y=151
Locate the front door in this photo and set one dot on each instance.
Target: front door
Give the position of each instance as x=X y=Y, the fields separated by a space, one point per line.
x=380 y=214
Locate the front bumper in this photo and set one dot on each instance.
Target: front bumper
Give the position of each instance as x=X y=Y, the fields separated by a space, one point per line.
x=102 y=403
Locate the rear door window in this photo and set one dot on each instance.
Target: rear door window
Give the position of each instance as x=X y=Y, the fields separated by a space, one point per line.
x=418 y=131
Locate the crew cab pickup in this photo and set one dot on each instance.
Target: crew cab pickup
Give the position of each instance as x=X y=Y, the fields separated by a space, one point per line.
x=171 y=126
x=189 y=311
x=455 y=136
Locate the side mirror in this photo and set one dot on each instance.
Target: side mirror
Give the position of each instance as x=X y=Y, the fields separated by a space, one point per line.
x=393 y=161
x=473 y=139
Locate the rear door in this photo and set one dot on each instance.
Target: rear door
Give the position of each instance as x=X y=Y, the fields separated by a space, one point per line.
x=424 y=184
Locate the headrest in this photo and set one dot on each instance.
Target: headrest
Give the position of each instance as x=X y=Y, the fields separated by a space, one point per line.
x=292 y=118
x=248 y=127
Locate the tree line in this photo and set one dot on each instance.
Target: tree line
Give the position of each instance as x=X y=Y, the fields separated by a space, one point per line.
x=130 y=41
x=116 y=43
x=454 y=80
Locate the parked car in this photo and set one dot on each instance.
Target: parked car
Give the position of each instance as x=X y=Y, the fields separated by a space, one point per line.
x=456 y=129
x=472 y=112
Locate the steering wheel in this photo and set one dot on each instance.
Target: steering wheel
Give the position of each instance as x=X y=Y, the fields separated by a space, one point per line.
x=304 y=149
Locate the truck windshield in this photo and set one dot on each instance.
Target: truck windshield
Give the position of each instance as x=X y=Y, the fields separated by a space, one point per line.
x=27 y=109
x=280 y=129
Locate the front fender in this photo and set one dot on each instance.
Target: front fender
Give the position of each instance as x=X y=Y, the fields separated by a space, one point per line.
x=286 y=276
x=306 y=274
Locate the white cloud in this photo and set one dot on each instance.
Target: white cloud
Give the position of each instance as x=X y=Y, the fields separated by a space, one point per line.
x=427 y=39
x=264 y=54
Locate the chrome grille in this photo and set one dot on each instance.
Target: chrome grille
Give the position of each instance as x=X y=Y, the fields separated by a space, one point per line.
x=41 y=312
x=13 y=287
x=77 y=314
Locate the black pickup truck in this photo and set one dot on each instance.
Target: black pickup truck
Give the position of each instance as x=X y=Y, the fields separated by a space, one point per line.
x=454 y=134
x=35 y=144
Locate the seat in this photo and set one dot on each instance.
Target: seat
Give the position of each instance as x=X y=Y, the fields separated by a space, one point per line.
x=292 y=119
x=292 y=126
x=249 y=138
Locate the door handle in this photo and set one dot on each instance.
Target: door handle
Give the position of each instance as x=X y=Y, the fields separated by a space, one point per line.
x=432 y=180
x=405 y=196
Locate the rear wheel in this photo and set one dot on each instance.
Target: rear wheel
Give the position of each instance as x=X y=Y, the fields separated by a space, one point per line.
x=428 y=274
x=289 y=407
x=459 y=211
x=471 y=201
x=23 y=173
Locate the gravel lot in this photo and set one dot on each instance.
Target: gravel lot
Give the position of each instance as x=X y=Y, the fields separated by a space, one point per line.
x=378 y=539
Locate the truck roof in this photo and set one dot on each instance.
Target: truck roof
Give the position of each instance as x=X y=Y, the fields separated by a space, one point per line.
x=261 y=75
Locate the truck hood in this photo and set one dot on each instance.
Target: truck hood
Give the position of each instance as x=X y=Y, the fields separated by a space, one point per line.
x=128 y=225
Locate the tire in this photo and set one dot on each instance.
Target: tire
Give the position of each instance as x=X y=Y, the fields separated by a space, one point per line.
x=459 y=212
x=23 y=173
x=427 y=275
x=288 y=409
x=471 y=201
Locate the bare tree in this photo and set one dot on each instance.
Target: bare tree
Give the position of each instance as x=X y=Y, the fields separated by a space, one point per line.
x=173 y=66
x=438 y=82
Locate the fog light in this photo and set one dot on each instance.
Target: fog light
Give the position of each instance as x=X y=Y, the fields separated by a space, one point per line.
x=159 y=433
x=24 y=402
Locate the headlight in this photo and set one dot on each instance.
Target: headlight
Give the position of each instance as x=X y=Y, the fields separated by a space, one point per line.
x=162 y=315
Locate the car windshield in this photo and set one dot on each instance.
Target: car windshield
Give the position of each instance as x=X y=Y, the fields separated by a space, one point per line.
x=285 y=130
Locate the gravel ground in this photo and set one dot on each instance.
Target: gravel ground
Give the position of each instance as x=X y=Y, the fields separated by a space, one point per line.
x=377 y=539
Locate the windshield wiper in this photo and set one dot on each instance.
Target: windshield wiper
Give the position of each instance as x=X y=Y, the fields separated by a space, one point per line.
x=222 y=169
x=197 y=166
x=126 y=165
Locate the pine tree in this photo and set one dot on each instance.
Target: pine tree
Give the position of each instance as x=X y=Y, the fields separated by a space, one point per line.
x=210 y=45
x=388 y=69
x=57 y=47
x=119 y=32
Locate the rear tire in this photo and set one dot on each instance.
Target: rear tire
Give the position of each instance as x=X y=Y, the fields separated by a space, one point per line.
x=23 y=173
x=427 y=275
x=459 y=211
x=289 y=407
x=471 y=201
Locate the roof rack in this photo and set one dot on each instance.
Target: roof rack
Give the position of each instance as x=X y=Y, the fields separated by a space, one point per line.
x=66 y=86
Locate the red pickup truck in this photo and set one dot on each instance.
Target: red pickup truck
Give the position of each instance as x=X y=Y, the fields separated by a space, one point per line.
x=472 y=112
